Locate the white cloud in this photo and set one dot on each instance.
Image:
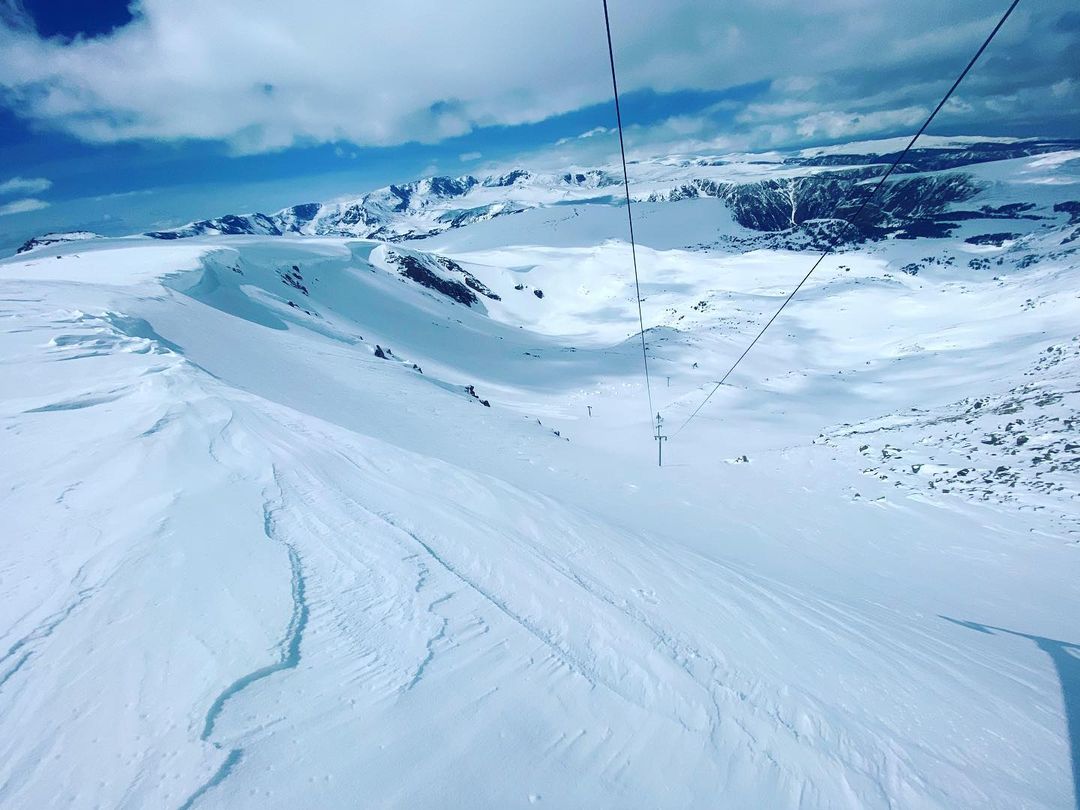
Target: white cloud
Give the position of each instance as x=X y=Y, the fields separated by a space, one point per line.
x=770 y=111
x=1003 y=104
x=22 y=206
x=267 y=74
x=795 y=84
x=466 y=157
x=831 y=124
x=592 y=133
x=25 y=185
x=958 y=106
x=1064 y=88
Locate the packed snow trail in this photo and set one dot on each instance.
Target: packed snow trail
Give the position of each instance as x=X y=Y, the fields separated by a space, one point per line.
x=252 y=564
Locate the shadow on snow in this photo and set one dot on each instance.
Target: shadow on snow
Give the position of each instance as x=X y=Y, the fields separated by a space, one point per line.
x=1066 y=659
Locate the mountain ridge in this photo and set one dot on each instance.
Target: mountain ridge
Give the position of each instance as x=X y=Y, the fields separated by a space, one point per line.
x=811 y=187
x=780 y=197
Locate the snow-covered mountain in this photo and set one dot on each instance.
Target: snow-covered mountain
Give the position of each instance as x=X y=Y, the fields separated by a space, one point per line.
x=765 y=193
x=265 y=546
x=45 y=240
x=412 y=210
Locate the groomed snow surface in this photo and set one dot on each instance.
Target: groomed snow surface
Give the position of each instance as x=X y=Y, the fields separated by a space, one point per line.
x=248 y=563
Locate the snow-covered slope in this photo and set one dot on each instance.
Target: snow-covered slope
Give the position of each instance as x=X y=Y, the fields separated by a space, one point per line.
x=266 y=546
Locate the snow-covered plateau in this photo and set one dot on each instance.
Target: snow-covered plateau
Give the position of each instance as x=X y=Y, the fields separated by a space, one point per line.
x=357 y=505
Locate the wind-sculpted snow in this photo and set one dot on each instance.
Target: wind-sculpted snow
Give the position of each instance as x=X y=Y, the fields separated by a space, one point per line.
x=288 y=649
x=21 y=651
x=231 y=761
x=265 y=546
x=288 y=658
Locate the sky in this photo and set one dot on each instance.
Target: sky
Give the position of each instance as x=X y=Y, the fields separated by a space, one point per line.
x=121 y=116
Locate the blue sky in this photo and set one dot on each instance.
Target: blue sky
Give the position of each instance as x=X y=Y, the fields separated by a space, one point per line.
x=137 y=185
x=121 y=117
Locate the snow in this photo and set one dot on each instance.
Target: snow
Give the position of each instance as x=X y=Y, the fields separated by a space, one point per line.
x=48 y=239
x=250 y=564
x=887 y=145
x=766 y=189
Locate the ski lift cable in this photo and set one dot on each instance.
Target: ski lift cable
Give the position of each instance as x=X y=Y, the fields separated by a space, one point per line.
x=858 y=213
x=629 y=213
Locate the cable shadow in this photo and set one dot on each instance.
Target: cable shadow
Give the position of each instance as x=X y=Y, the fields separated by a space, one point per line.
x=1066 y=659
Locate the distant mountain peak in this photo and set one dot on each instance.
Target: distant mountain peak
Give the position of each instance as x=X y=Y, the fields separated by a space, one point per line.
x=55 y=238
x=771 y=193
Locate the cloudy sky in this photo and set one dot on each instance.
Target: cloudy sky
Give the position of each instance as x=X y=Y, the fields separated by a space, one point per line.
x=119 y=116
